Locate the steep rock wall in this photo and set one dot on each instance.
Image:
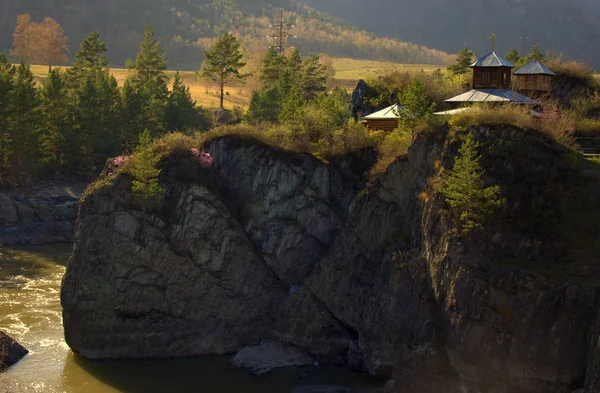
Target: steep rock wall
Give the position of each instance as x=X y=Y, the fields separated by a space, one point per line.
x=274 y=245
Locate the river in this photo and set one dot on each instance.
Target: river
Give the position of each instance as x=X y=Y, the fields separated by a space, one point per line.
x=30 y=312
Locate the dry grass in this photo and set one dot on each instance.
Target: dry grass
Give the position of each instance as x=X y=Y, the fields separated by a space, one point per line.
x=557 y=124
x=347 y=72
x=353 y=69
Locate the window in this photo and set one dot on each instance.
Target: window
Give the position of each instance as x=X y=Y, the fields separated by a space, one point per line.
x=486 y=78
x=504 y=79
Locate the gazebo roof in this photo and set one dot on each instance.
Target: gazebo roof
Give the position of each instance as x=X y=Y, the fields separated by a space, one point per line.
x=391 y=112
x=493 y=60
x=491 y=95
x=534 y=67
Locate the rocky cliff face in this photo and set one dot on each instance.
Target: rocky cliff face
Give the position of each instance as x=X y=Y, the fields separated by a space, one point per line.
x=269 y=245
x=45 y=214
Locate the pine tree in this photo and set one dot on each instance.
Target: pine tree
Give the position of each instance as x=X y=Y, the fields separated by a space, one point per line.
x=25 y=126
x=513 y=56
x=182 y=111
x=270 y=72
x=58 y=142
x=464 y=190
x=132 y=115
x=294 y=66
x=92 y=53
x=223 y=63
x=265 y=105
x=463 y=62
x=150 y=63
x=292 y=112
x=7 y=86
x=416 y=102
x=313 y=78
x=150 y=83
x=97 y=111
x=145 y=185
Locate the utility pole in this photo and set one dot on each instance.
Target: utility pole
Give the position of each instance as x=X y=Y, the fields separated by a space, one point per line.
x=282 y=33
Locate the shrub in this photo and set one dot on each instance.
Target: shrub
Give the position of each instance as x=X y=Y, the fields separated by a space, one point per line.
x=558 y=124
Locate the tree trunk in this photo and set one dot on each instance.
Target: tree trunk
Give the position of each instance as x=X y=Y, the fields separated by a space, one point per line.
x=49 y=68
x=222 y=93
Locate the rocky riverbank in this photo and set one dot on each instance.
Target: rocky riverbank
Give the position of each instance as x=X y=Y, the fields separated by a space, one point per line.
x=43 y=214
x=271 y=245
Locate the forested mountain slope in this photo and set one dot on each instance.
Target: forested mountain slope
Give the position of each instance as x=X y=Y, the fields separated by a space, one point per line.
x=186 y=27
x=569 y=26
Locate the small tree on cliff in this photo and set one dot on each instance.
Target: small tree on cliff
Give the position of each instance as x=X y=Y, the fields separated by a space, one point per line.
x=464 y=190
x=145 y=184
x=223 y=63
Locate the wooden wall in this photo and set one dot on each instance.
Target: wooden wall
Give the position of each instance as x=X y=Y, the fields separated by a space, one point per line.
x=381 y=124
x=534 y=83
x=498 y=77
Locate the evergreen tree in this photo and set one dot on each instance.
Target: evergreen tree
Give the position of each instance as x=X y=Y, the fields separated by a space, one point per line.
x=265 y=105
x=145 y=185
x=132 y=116
x=272 y=66
x=25 y=126
x=313 y=78
x=97 y=119
x=92 y=53
x=58 y=142
x=7 y=85
x=416 y=102
x=464 y=190
x=150 y=83
x=513 y=56
x=534 y=55
x=463 y=62
x=294 y=66
x=223 y=63
x=292 y=112
x=182 y=111
x=150 y=63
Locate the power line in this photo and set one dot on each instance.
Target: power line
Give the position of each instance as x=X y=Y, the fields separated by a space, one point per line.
x=282 y=33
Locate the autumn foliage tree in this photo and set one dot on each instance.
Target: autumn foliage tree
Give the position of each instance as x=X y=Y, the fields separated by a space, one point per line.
x=44 y=43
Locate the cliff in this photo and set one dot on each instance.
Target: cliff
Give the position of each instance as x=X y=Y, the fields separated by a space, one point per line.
x=272 y=245
x=42 y=214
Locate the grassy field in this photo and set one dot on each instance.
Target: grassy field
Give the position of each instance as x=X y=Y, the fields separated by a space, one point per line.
x=348 y=71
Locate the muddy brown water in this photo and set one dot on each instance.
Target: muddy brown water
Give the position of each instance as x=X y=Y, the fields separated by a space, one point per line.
x=30 y=312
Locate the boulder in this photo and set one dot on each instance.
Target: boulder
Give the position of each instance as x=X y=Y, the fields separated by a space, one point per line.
x=261 y=359
x=10 y=351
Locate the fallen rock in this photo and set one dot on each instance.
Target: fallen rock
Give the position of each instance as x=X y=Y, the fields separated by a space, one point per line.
x=10 y=351
x=261 y=359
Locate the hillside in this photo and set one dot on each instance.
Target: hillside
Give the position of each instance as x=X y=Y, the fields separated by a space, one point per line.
x=565 y=26
x=187 y=28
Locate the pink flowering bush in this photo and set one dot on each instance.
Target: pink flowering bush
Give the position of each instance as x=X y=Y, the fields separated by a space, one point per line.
x=120 y=161
x=203 y=157
x=117 y=163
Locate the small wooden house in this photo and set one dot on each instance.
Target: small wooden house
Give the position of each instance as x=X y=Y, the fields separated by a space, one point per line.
x=534 y=79
x=385 y=119
x=492 y=72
